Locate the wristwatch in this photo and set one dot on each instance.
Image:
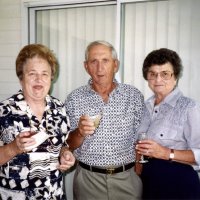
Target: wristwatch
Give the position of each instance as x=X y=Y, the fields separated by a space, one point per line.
x=171 y=155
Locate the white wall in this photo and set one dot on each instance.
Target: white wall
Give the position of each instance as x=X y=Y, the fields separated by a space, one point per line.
x=10 y=40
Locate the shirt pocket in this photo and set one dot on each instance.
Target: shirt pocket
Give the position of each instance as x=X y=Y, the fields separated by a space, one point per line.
x=169 y=136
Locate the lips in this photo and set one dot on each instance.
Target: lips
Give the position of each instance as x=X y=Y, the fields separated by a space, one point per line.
x=38 y=87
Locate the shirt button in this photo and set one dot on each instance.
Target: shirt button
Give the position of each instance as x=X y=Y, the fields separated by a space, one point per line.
x=156 y=111
x=161 y=134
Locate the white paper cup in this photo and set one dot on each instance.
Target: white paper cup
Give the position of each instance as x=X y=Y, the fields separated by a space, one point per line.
x=39 y=137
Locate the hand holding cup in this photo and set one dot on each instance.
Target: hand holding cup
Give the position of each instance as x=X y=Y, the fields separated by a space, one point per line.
x=24 y=139
x=29 y=140
x=87 y=124
x=39 y=138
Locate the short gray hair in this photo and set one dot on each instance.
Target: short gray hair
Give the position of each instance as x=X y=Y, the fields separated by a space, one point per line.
x=101 y=42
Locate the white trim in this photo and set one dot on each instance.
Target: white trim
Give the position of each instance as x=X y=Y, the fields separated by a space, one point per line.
x=34 y=3
x=135 y=1
x=31 y=25
x=24 y=24
x=70 y=5
x=131 y=1
x=118 y=36
x=118 y=26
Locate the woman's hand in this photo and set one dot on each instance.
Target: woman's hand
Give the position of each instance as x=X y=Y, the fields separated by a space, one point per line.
x=151 y=148
x=24 y=140
x=17 y=146
x=67 y=159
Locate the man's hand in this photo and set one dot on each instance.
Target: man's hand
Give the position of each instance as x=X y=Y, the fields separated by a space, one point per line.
x=86 y=126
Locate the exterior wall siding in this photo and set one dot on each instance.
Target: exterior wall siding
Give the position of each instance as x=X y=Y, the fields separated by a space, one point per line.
x=10 y=44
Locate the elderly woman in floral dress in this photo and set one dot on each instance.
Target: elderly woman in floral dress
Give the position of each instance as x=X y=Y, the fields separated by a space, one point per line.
x=33 y=130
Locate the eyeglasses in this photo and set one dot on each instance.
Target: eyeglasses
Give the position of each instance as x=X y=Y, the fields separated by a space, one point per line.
x=165 y=75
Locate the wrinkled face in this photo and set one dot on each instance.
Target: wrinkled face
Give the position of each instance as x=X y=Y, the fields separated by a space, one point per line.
x=161 y=79
x=100 y=65
x=36 y=80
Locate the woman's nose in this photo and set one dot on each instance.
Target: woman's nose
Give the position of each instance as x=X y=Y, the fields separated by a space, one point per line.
x=38 y=77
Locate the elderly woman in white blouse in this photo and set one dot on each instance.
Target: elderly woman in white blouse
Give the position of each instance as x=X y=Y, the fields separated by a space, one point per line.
x=172 y=124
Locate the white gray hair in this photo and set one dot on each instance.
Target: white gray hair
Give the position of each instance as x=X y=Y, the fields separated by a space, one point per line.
x=101 y=42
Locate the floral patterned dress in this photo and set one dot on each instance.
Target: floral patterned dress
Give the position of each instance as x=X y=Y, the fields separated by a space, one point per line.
x=33 y=175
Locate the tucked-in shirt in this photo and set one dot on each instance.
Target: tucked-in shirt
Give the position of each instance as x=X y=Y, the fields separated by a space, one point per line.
x=114 y=139
x=174 y=123
x=33 y=174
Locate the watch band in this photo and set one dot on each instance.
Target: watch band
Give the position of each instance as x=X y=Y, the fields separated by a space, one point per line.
x=171 y=155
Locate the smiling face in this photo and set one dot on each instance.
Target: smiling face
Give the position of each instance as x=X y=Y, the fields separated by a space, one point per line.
x=36 y=79
x=100 y=65
x=159 y=86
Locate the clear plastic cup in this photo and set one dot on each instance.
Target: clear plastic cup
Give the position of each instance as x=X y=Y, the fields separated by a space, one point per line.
x=96 y=119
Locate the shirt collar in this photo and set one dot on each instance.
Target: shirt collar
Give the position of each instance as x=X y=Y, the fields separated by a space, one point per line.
x=170 y=99
x=22 y=104
x=90 y=82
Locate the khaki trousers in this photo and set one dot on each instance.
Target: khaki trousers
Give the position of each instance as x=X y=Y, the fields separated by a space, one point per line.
x=96 y=186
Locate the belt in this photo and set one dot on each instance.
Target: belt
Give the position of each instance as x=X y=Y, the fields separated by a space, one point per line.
x=109 y=170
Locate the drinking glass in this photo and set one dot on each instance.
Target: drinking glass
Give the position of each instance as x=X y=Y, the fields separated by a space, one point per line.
x=96 y=119
x=142 y=136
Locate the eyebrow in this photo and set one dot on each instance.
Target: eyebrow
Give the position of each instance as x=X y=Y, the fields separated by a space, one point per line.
x=160 y=71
